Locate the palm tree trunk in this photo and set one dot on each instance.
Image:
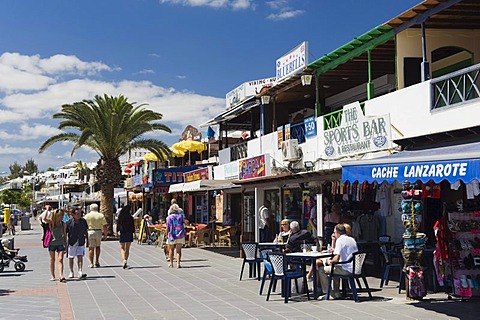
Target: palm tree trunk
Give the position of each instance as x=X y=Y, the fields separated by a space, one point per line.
x=106 y=205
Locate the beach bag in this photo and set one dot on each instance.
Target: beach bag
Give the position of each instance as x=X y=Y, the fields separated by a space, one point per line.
x=416 y=289
x=47 y=238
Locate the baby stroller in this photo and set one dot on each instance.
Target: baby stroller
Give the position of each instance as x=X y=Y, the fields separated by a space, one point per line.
x=7 y=256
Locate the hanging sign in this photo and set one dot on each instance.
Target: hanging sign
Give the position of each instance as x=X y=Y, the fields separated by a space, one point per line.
x=357 y=134
x=293 y=62
x=310 y=127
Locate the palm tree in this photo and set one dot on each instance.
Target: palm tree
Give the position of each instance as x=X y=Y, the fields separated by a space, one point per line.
x=112 y=127
x=82 y=169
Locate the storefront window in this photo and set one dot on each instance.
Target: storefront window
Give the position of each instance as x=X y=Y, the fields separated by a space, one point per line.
x=248 y=218
x=292 y=204
x=273 y=196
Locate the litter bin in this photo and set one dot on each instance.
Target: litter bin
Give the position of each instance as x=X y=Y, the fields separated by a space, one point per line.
x=25 y=223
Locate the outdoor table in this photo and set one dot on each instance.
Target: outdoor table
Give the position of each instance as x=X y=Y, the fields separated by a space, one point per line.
x=312 y=257
x=270 y=245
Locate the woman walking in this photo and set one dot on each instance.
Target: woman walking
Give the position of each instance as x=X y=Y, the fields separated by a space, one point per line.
x=58 y=243
x=175 y=233
x=126 y=227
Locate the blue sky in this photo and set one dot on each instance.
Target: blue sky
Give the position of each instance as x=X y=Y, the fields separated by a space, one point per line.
x=179 y=56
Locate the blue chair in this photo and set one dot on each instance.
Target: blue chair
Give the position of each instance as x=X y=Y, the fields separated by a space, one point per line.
x=392 y=259
x=279 y=263
x=250 y=256
x=358 y=260
x=267 y=268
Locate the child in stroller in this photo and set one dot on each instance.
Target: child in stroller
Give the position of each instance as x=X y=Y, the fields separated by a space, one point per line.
x=11 y=255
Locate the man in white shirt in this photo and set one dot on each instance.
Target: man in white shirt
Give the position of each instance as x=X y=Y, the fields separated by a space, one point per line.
x=345 y=247
x=264 y=221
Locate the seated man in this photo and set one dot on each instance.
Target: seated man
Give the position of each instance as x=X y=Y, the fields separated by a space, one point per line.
x=297 y=238
x=191 y=231
x=345 y=247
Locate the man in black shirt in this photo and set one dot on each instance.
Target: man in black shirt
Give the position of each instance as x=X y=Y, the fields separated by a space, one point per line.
x=77 y=237
x=297 y=238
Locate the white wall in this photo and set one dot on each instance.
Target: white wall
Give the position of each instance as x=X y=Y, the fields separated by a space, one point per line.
x=410 y=114
x=409 y=44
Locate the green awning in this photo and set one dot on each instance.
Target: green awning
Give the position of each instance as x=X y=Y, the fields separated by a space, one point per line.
x=352 y=49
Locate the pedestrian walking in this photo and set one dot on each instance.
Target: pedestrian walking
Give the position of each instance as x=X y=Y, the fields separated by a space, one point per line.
x=77 y=236
x=175 y=233
x=97 y=229
x=126 y=227
x=58 y=244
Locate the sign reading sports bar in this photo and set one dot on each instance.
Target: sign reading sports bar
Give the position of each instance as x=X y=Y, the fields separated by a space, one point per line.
x=357 y=134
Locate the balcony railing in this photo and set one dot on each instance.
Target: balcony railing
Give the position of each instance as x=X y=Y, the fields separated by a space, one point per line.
x=332 y=120
x=238 y=151
x=457 y=87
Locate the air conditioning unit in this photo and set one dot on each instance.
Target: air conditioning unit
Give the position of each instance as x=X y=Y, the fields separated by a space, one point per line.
x=290 y=150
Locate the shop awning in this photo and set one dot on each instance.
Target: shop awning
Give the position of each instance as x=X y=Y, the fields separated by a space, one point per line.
x=232 y=113
x=202 y=185
x=452 y=163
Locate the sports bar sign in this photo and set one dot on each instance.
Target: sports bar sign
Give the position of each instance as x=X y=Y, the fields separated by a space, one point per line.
x=357 y=134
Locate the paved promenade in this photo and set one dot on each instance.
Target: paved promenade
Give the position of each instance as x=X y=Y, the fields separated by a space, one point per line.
x=207 y=287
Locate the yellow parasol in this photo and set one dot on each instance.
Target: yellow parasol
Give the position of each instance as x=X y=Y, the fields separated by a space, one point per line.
x=188 y=146
x=150 y=157
x=179 y=149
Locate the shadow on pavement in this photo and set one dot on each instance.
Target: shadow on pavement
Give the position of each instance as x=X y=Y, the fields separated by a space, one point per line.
x=233 y=252
x=146 y=267
x=462 y=309
x=194 y=267
x=5 y=292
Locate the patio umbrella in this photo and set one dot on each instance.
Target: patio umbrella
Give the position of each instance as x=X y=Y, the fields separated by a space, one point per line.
x=179 y=149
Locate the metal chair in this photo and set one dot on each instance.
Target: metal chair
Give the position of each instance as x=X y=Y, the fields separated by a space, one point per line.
x=358 y=260
x=251 y=256
x=267 y=268
x=389 y=257
x=281 y=272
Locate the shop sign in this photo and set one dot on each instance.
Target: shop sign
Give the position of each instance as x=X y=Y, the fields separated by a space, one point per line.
x=357 y=134
x=161 y=189
x=231 y=170
x=279 y=137
x=255 y=167
x=199 y=174
x=171 y=175
x=437 y=171
x=136 y=180
x=294 y=61
x=247 y=90
x=310 y=127
x=191 y=133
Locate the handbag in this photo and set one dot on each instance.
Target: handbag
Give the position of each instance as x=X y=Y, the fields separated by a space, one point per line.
x=47 y=238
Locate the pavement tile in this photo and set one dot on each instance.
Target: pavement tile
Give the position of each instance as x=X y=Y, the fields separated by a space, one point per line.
x=208 y=287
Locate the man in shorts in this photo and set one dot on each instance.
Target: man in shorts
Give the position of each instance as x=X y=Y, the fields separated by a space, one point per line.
x=97 y=227
x=77 y=234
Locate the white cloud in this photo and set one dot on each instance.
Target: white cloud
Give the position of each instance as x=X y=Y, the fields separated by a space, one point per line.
x=26 y=132
x=181 y=77
x=146 y=71
x=285 y=15
x=26 y=112
x=282 y=10
x=155 y=55
x=277 y=4
x=234 y=4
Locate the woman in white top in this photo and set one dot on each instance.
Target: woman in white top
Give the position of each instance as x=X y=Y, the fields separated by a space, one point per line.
x=284 y=232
